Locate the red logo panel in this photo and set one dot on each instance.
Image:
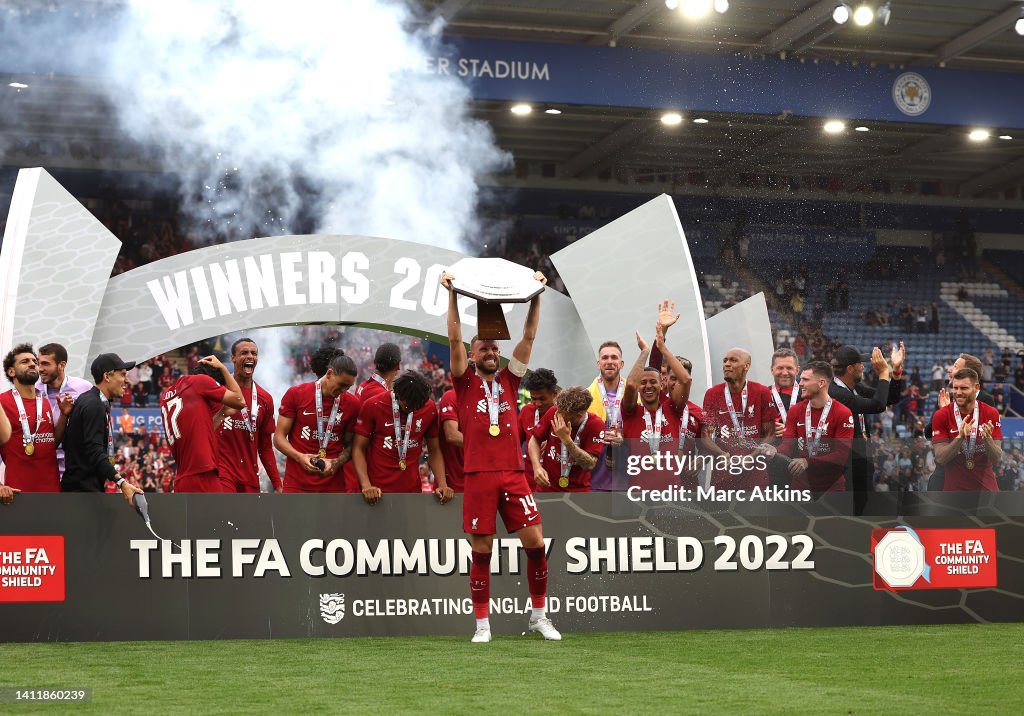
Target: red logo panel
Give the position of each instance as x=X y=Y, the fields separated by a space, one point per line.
x=905 y=558
x=32 y=568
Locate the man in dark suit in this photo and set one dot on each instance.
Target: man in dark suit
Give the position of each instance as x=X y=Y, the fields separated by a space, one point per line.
x=89 y=437
x=847 y=387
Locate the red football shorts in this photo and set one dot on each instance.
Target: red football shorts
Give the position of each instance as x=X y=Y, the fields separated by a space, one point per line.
x=245 y=487
x=204 y=482
x=504 y=492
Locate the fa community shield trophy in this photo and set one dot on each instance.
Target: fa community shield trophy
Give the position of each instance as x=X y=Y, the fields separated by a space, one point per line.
x=493 y=282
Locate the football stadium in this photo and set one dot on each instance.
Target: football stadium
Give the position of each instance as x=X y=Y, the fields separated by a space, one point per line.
x=423 y=356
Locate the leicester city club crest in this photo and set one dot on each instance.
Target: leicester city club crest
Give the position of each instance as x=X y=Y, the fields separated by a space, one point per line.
x=912 y=94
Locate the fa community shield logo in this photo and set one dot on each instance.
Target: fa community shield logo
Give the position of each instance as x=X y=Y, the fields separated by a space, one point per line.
x=911 y=93
x=332 y=607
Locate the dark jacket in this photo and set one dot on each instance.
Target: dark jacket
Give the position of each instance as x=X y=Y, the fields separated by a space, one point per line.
x=863 y=400
x=86 y=467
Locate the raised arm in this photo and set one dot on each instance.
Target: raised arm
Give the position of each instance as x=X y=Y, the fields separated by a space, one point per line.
x=460 y=361
x=233 y=397
x=524 y=347
x=629 y=393
x=681 y=389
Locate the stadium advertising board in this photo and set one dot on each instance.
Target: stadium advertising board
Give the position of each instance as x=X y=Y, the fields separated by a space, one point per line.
x=329 y=565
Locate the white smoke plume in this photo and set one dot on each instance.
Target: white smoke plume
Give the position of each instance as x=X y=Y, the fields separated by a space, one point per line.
x=269 y=109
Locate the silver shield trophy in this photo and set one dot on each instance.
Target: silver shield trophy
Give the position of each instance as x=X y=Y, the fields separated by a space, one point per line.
x=493 y=282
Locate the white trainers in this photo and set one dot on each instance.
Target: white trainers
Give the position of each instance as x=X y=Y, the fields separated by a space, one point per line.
x=545 y=628
x=482 y=636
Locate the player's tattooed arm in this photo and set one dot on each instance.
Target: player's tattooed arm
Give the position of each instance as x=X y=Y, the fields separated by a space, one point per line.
x=632 y=388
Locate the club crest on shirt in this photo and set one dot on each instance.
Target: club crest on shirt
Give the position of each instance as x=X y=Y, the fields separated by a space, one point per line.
x=419 y=424
x=750 y=411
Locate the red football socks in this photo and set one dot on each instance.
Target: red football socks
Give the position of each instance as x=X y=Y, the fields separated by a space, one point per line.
x=537 y=575
x=480 y=583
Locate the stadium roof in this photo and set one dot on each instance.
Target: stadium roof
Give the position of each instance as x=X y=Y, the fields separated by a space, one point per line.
x=589 y=140
x=973 y=35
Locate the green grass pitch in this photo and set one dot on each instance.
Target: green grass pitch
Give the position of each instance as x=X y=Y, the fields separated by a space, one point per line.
x=877 y=670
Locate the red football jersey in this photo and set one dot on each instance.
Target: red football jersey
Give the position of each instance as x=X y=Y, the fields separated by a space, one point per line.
x=376 y=422
x=590 y=441
x=299 y=404
x=37 y=472
x=958 y=476
x=483 y=452
x=238 y=451
x=634 y=427
x=453 y=468
x=529 y=420
x=760 y=409
x=187 y=408
x=825 y=468
x=369 y=388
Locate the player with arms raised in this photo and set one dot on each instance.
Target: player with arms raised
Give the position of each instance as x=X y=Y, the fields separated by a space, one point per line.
x=494 y=472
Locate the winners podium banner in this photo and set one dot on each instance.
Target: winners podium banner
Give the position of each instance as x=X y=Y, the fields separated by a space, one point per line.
x=269 y=566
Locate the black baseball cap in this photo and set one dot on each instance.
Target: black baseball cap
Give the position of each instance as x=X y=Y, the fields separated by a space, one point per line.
x=848 y=355
x=107 y=362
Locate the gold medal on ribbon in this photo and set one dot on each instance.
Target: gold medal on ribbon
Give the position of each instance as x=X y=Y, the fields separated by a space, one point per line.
x=321 y=453
x=112 y=460
x=402 y=464
x=29 y=448
x=970 y=464
x=495 y=431
x=563 y=482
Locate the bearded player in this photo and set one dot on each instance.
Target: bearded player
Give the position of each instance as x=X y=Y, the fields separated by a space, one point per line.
x=495 y=478
x=246 y=436
x=968 y=437
x=390 y=434
x=819 y=433
x=29 y=450
x=189 y=408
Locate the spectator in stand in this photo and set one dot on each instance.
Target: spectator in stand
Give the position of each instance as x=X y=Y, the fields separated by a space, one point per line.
x=938 y=374
x=125 y=422
x=933 y=323
x=141 y=395
x=887 y=422
x=146 y=378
